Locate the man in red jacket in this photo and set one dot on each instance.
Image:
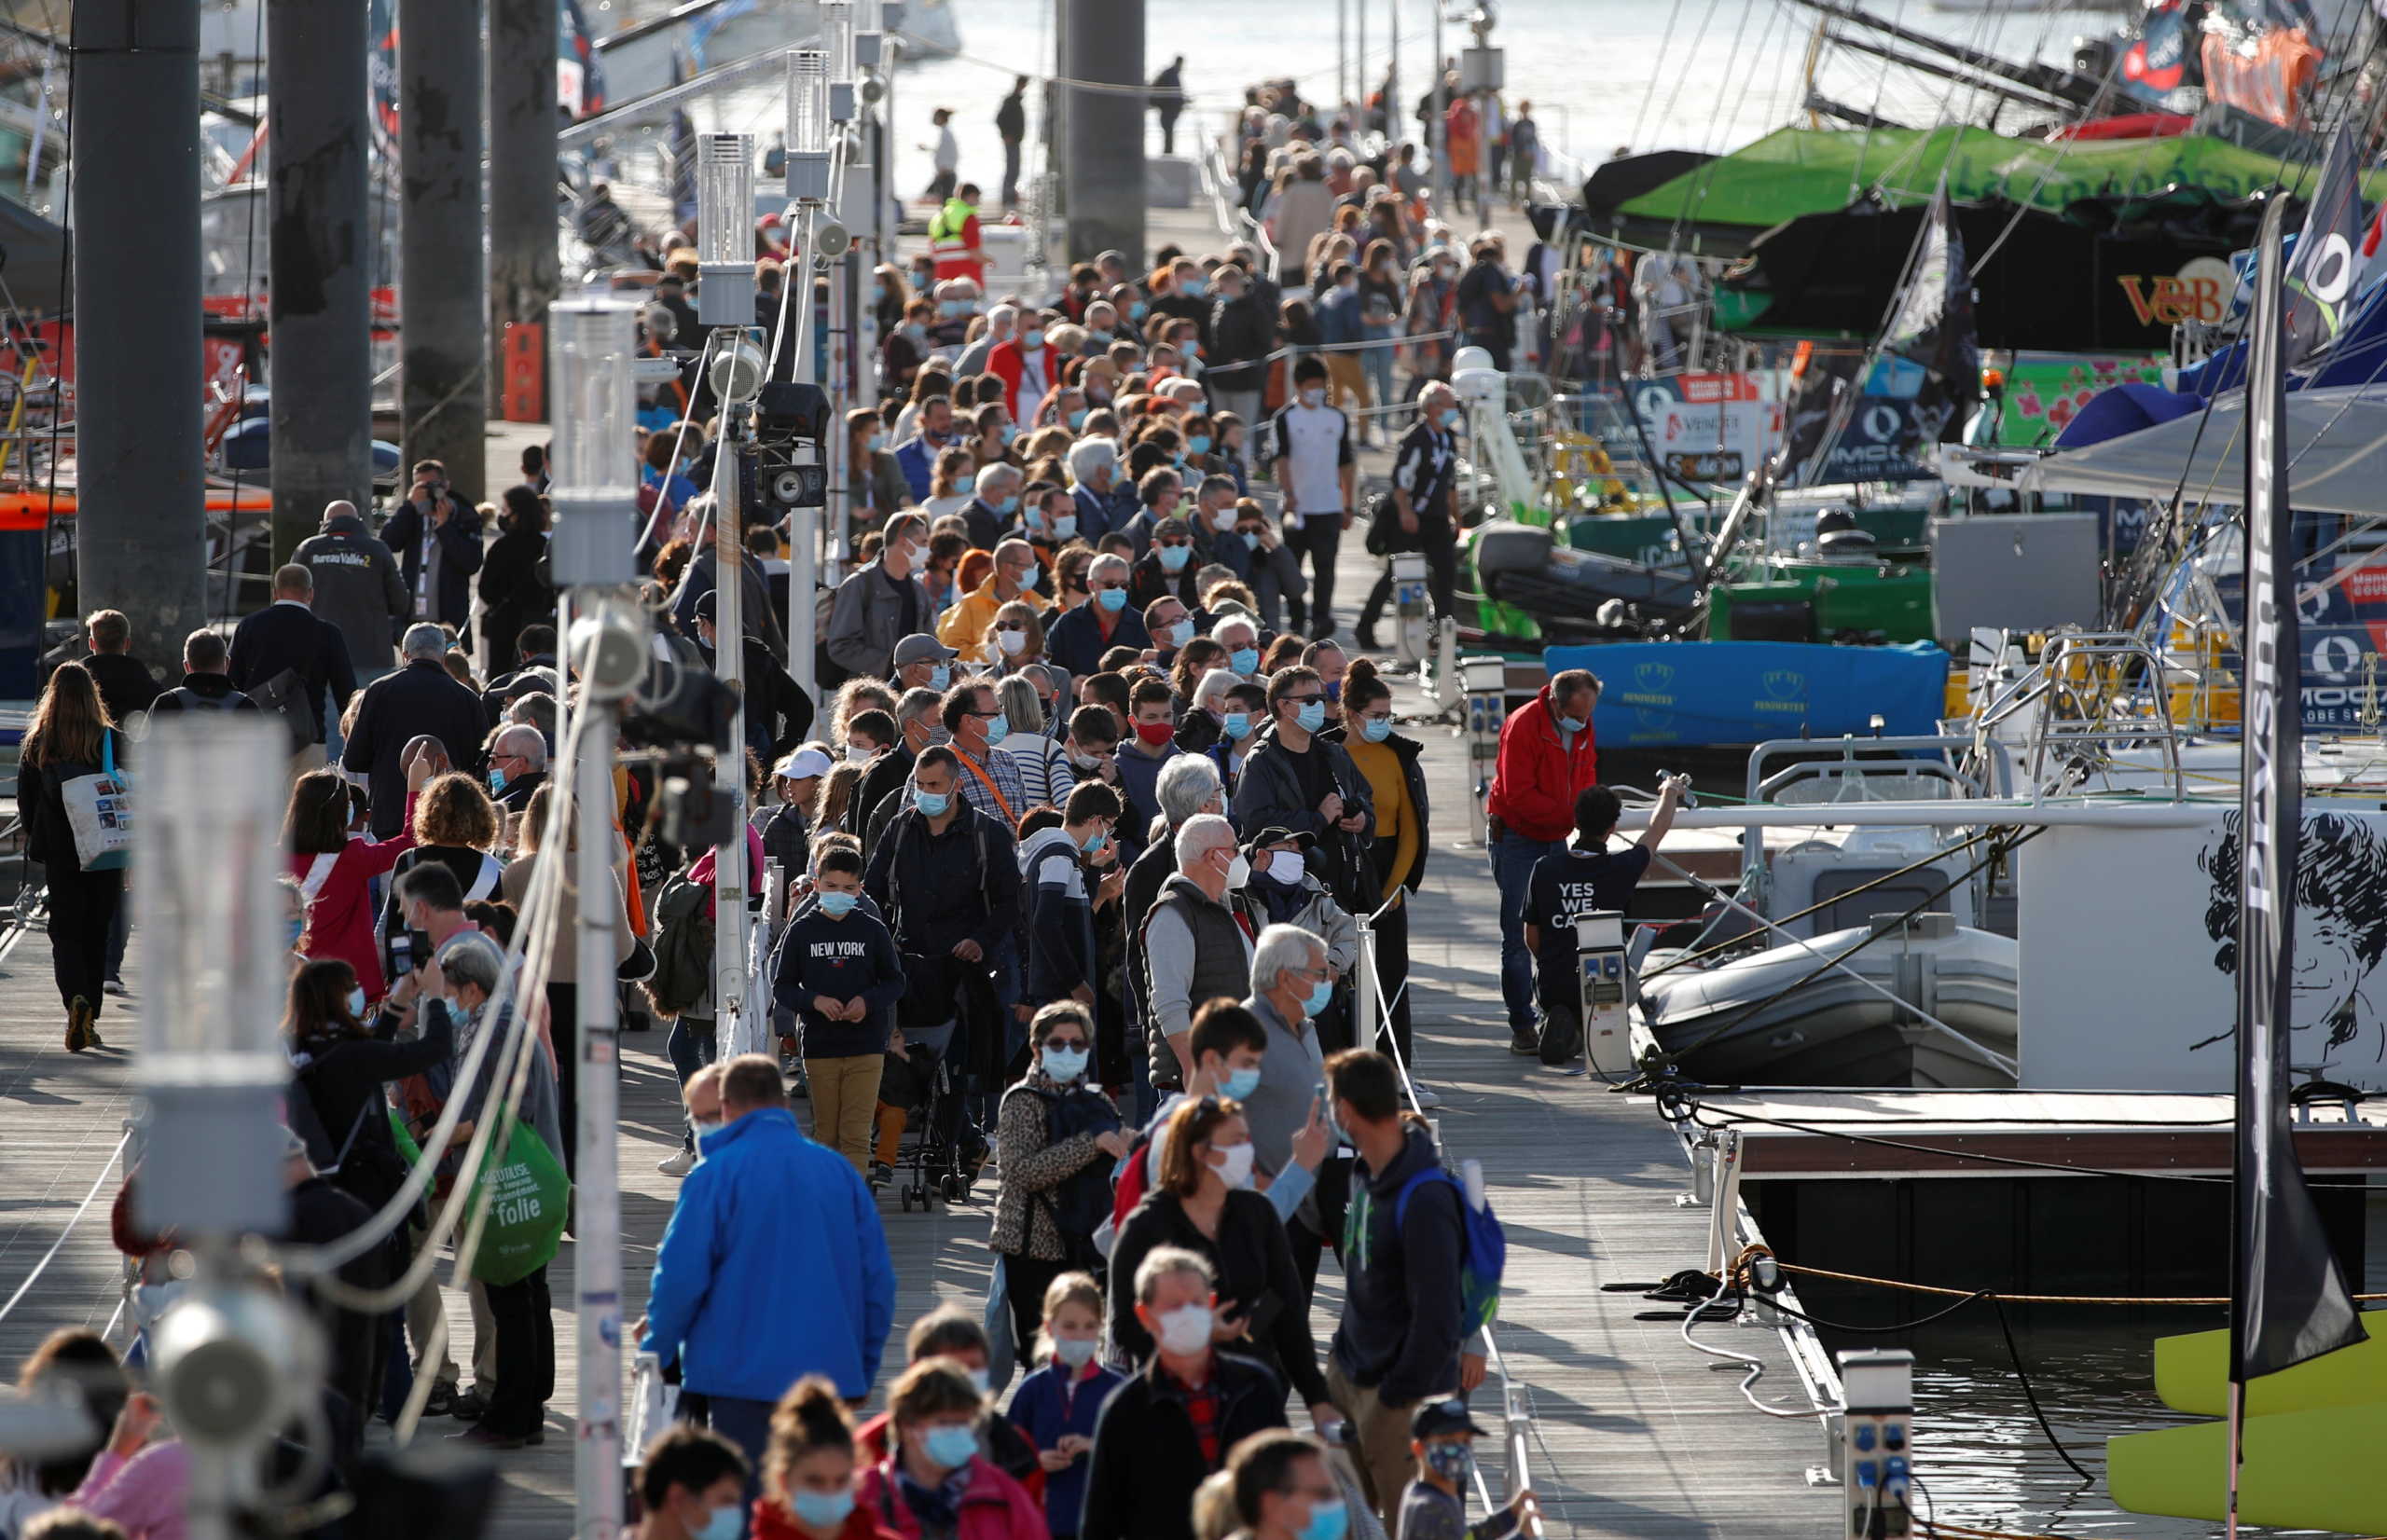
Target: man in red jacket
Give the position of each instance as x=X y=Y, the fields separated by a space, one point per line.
x=1546 y=757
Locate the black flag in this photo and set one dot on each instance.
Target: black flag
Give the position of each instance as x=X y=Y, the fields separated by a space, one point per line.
x=1930 y=351
x=2321 y=276
x=2287 y=1302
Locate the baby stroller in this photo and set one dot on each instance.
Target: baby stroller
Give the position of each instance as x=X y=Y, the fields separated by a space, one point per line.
x=932 y=1158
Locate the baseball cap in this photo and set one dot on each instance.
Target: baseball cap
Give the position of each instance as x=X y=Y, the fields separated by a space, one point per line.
x=1266 y=837
x=1447 y=1415
x=802 y=764
x=920 y=647
x=708 y=606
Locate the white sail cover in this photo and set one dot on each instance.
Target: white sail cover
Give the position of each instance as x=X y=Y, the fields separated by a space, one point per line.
x=2336 y=448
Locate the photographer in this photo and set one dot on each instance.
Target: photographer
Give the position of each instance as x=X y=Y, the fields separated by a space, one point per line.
x=437 y=541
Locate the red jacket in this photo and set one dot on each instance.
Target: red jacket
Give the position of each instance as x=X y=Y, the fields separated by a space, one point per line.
x=1004 y=362
x=993 y=1506
x=340 y=914
x=1535 y=782
x=771 y=1522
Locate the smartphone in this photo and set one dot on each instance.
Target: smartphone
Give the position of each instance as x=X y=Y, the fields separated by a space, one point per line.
x=1319 y=1104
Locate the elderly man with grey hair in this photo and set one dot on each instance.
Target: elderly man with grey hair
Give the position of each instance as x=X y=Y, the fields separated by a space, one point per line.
x=1190 y=949
x=1078 y=639
x=1292 y=978
x=1105 y=500
x=517 y=765
x=994 y=511
x=420 y=698
x=918 y=718
x=1001 y=321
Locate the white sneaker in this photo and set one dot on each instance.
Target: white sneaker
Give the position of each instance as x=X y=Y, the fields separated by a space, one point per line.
x=1427 y=1100
x=679 y=1165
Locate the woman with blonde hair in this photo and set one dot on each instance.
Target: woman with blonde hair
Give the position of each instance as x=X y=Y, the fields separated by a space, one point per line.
x=1044 y=773
x=70 y=735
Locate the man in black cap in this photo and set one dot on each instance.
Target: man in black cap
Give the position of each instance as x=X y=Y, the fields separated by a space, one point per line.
x=1442 y=1436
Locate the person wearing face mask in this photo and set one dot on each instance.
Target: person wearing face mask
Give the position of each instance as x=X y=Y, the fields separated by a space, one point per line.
x=994 y=511
x=1340 y=326
x=767 y=1217
x=934 y=1481
x=975 y=723
x=881 y=603
x=692 y=1486
x=1425 y=475
x=1283 y=1489
x=965 y=627
x=1002 y=321
x=1213 y=519
x=1404 y=833
x=1294 y=780
x=1318 y=473
x=1060 y=1136
x=809 y=1475
x=1243 y=333
x=1190 y=946
x=1165 y=573
x=1399 y=1341
x=1079 y=638
x=1547 y=760
x=1151 y=723
x=1094 y=478
x=1056 y=1405
x=953 y=1337
x=839 y=973
x=1046 y=773
x=1066 y=871
x=1025 y=363
x=1293 y=983
x=1171 y=1427
x=1432 y=316
x=913 y=719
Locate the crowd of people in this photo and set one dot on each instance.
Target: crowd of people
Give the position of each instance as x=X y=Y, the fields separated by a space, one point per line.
x=1083 y=828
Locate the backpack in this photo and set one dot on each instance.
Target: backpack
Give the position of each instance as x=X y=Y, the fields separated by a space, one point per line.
x=284 y=695
x=683 y=940
x=1484 y=1254
x=1078 y=1203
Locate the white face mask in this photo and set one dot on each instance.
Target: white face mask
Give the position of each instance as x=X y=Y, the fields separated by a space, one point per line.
x=1234 y=1168
x=859 y=753
x=1185 y=1330
x=1285 y=866
x=1012 y=643
x=1238 y=871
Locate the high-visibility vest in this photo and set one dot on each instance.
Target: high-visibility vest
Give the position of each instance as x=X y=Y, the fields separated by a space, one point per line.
x=946 y=244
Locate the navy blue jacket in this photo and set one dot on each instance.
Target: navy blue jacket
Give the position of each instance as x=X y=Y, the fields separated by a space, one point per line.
x=1052 y=1402
x=841 y=959
x=1075 y=641
x=459 y=557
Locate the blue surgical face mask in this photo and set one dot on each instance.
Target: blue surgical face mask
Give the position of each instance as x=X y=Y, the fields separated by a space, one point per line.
x=1174 y=557
x=496 y=780
x=1077 y=418
x=726 y=1523
x=838 y=905
x=1065 y=1064
x=1312 y=716
x=998 y=729
x=932 y=803
x=1237 y=725
x=1138 y=310
x=951 y=1446
x=1450 y=416
x=1093 y=842
x=1239 y=1083
x=821 y=1510
x=915 y=331
x=1112 y=600
x=1244 y=661
x=952 y=307
x=1376 y=729
x=1076 y=1352
x=298 y=930
x=877 y=442
x=1199 y=443
x=1065 y=526
x=1326 y=1521
x=1031 y=340
x=1571 y=724
x=1007 y=504
x=1194 y=288
x=1320 y=993
x=356 y=1002
x=1007 y=432
x=940 y=676
x=1335 y=689
x=1193 y=349
x=1251 y=540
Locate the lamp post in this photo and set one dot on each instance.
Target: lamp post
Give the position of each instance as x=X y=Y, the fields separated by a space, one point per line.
x=809 y=109
x=593 y=457
x=724 y=228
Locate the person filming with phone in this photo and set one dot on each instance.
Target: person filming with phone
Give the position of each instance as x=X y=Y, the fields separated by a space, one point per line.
x=437 y=537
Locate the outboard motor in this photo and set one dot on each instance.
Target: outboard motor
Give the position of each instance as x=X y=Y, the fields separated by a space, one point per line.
x=1570 y=593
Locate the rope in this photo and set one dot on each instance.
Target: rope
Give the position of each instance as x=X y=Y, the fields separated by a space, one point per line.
x=1943 y=1292
x=51 y=1254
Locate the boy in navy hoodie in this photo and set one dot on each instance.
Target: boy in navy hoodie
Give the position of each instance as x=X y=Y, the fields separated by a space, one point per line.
x=839 y=971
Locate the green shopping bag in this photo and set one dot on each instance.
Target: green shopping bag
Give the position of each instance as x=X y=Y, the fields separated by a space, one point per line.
x=408 y=1150
x=529 y=1197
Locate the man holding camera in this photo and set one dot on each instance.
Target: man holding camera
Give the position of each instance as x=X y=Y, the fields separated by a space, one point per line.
x=437 y=541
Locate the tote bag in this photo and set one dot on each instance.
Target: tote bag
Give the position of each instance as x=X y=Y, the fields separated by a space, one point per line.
x=100 y=811
x=528 y=1195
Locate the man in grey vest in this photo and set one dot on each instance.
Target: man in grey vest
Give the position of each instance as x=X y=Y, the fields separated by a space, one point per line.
x=1193 y=948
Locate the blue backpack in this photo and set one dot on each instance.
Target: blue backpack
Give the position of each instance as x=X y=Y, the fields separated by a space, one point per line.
x=1484 y=1253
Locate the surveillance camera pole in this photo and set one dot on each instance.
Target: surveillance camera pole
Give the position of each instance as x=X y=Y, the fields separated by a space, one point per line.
x=813 y=98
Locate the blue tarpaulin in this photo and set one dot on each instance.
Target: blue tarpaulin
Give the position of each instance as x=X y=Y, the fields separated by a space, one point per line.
x=1657 y=694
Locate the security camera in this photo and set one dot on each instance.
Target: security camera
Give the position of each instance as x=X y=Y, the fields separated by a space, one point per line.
x=831 y=240
x=609 y=651
x=233 y=1364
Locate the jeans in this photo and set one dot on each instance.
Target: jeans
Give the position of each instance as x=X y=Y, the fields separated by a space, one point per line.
x=1320 y=535
x=1011 y=172
x=747 y=1424
x=1377 y=361
x=1513 y=862
x=691 y=1046
x=524 y=1314
x=82 y=909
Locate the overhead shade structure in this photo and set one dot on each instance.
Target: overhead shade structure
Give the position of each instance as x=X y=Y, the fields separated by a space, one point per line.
x=1726 y=203
x=2055 y=285
x=2336 y=440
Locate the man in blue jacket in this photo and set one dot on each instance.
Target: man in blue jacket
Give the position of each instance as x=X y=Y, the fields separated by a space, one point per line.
x=774 y=1266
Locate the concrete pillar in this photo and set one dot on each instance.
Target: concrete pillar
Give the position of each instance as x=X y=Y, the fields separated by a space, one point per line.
x=443 y=278
x=1104 y=147
x=524 y=269
x=320 y=241
x=140 y=535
